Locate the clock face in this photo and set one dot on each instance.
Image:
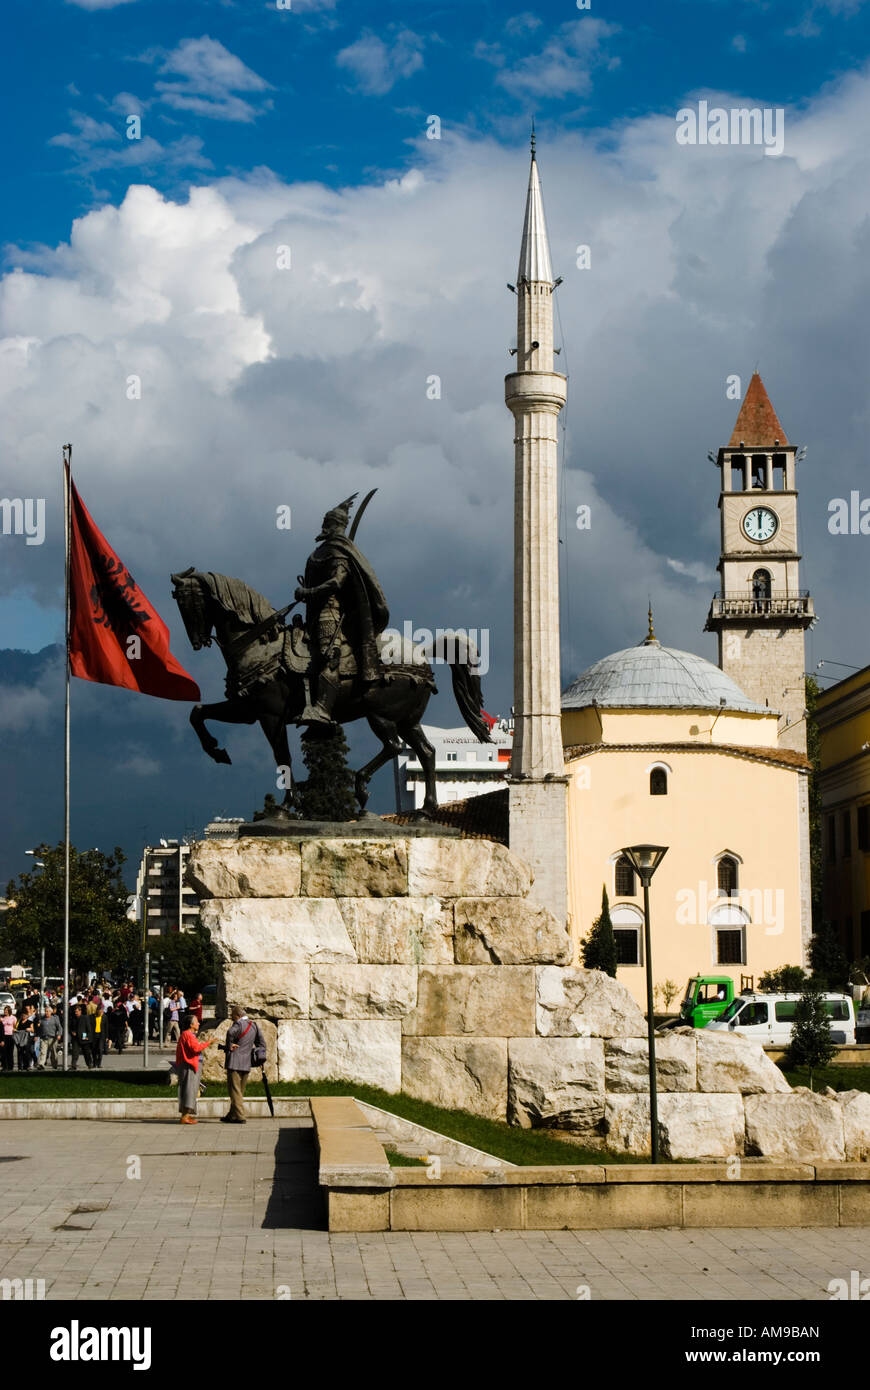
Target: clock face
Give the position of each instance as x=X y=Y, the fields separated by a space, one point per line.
x=760 y=524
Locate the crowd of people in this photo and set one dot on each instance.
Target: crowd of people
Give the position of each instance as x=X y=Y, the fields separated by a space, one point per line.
x=101 y=1018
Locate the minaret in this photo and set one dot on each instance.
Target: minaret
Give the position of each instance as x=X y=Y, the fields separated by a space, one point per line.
x=761 y=613
x=535 y=394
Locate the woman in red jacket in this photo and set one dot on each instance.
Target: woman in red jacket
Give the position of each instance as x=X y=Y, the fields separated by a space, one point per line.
x=187 y=1053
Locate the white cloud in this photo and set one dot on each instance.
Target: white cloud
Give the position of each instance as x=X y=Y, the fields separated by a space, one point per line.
x=205 y=78
x=702 y=574
x=139 y=764
x=376 y=66
x=738 y=43
x=264 y=386
x=564 y=66
x=98 y=4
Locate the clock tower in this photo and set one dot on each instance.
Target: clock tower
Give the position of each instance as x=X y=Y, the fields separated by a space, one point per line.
x=761 y=612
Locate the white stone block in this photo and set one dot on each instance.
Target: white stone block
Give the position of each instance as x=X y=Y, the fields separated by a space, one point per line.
x=367 y=1051
x=277 y=930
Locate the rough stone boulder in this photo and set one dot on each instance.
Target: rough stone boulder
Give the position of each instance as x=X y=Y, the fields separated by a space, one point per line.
x=213 y=1065
x=456 y=999
x=694 y=1125
x=277 y=930
x=247 y=868
x=728 y=1062
x=458 y=1073
x=626 y=1063
x=266 y=990
x=587 y=1003
x=368 y=1051
x=399 y=931
x=801 y=1126
x=508 y=931
x=355 y=868
x=556 y=1083
x=855 y=1106
x=362 y=991
x=691 y=1125
x=462 y=868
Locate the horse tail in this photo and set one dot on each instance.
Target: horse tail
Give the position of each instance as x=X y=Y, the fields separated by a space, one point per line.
x=459 y=652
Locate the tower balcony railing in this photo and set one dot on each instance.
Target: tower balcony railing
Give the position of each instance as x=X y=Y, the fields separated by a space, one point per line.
x=794 y=604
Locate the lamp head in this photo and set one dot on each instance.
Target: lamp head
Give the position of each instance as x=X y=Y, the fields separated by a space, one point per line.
x=645 y=859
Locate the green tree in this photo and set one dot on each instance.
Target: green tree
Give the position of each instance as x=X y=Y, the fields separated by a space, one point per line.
x=599 y=947
x=189 y=960
x=811 y=1044
x=100 y=936
x=327 y=793
x=827 y=960
x=788 y=979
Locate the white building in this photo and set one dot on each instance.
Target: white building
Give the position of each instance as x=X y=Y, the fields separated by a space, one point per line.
x=463 y=767
x=163 y=901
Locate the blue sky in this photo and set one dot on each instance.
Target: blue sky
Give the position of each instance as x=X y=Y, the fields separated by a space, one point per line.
x=261 y=387
x=336 y=91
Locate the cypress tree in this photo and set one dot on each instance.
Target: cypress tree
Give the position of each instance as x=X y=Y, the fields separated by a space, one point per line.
x=829 y=964
x=811 y=1044
x=327 y=794
x=599 y=947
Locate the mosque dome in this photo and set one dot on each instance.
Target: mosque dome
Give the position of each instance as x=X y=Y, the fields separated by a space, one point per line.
x=650 y=676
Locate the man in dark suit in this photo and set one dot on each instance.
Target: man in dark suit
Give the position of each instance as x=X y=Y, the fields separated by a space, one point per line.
x=239 y=1044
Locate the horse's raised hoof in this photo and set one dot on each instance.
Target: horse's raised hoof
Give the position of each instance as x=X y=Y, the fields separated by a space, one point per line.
x=220 y=755
x=421 y=815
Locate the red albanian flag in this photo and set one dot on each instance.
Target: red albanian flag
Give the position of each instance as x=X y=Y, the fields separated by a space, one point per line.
x=116 y=636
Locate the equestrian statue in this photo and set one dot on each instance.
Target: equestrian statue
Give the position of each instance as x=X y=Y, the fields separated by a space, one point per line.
x=337 y=666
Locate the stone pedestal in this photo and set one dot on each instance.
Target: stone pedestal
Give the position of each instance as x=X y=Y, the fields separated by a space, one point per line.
x=424 y=965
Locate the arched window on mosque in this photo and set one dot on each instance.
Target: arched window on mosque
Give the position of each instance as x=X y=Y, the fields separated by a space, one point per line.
x=658 y=782
x=623 y=884
x=761 y=584
x=726 y=876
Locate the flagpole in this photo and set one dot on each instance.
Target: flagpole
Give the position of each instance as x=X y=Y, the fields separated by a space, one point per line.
x=67 y=494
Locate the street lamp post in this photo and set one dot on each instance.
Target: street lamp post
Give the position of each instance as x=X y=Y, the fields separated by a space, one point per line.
x=645 y=859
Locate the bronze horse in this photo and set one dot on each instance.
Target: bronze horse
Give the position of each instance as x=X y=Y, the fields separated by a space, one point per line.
x=267 y=666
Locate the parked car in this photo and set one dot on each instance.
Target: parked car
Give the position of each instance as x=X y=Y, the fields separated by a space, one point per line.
x=862 y=1027
x=769 y=1018
x=7 y=998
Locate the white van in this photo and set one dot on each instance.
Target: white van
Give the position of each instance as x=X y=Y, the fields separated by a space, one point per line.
x=768 y=1018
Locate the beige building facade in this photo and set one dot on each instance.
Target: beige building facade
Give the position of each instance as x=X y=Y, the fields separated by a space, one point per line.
x=843 y=715
x=663 y=748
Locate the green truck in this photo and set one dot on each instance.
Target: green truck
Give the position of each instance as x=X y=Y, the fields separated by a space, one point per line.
x=706 y=997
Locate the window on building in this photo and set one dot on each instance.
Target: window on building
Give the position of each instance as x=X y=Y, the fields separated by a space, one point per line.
x=627 y=945
x=864 y=828
x=832 y=839
x=759 y=470
x=738 y=473
x=846 y=834
x=761 y=584
x=729 y=948
x=658 y=782
x=451 y=757
x=624 y=885
x=726 y=875
x=779 y=472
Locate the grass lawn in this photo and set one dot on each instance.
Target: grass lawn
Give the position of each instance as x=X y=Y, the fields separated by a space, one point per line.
x=520 y=1146
x=397 y=1160
x=840 y=1078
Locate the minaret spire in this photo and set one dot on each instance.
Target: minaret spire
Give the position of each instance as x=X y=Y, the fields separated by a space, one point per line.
x=535 y=394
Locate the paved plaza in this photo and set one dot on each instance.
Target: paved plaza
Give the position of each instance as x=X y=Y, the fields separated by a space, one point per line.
x=152 y=1210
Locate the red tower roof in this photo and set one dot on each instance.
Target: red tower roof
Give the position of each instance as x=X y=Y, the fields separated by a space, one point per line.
x=757 y=424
